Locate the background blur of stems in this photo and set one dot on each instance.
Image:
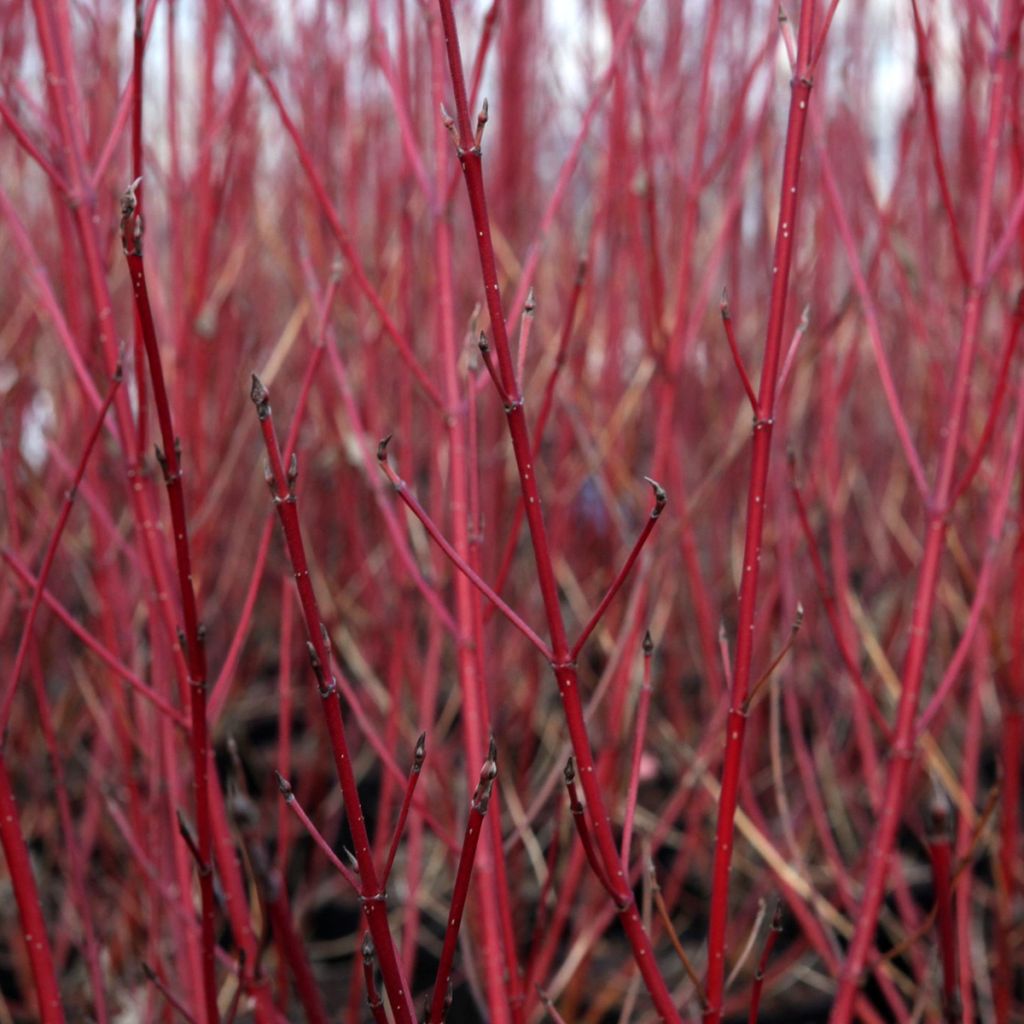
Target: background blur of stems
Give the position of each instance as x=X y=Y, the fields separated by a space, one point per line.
x=304 y=219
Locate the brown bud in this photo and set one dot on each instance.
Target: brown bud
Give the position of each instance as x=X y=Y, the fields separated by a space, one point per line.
x=660 y=497
x=260 y=397
x=285 y=786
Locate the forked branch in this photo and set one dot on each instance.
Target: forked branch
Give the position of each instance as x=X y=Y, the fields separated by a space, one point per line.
x=660 y=499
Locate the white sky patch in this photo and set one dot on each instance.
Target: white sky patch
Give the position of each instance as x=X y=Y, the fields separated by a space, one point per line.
x=893 y=84
x=37 y=423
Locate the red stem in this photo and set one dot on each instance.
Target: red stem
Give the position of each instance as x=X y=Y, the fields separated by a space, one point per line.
x=884 y=835
x=330 y=213
x=756 y=495
x=579 y=820
x=660 y=498
x=403 y=814
x=172 y=1000
x=402 y=490
x=315 y=834
x=373 y=897
x=730 y=336
x=477 y=813
x=194 y=632
x=39 y=587
x=93 y=644
x=762 y=964
x=138 y=51
x=547 y=402
x=373 y=999
x=470 y=158
x=995 y=402
x=924 y=74
x=639 y=732
x=26 y=895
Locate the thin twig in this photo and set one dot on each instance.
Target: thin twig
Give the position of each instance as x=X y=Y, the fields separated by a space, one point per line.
x=660 y=498
x=403 y=492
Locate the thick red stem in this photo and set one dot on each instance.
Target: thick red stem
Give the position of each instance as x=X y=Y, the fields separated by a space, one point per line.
x=764 y=420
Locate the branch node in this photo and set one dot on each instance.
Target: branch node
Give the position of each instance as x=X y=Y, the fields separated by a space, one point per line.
x=314 y=661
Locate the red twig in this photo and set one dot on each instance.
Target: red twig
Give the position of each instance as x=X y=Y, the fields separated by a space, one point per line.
x=660 y=498
x=639 y=732
x=274 y=894
x=730 y=336
x=579 y=820
x=194 y=633
x=121 y=670
x=39 y=587
x=884 y=833
x=924 y=74
x=373 y=999
x=829 y=600
x=333 y=220
x=138 y=52
x=172 y=1000
x=492 y=370
x=470 y=159
x=525 y=329
x=402 y=490
x=26 y=895
x=546 y=405
x=403 y=814
x=995 y=402
x=764 y=420
x=477 y=812
x=25 y=141
x=762 y=965
x=373 y=897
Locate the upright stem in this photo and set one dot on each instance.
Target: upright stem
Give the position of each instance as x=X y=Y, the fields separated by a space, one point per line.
x=470 y=158
x=762 y=965
x=26 y=895
x=643 y=707
x=764 y=420
x=474 y=826
x=372 y=896
x=903 y=748
x=194 y=635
